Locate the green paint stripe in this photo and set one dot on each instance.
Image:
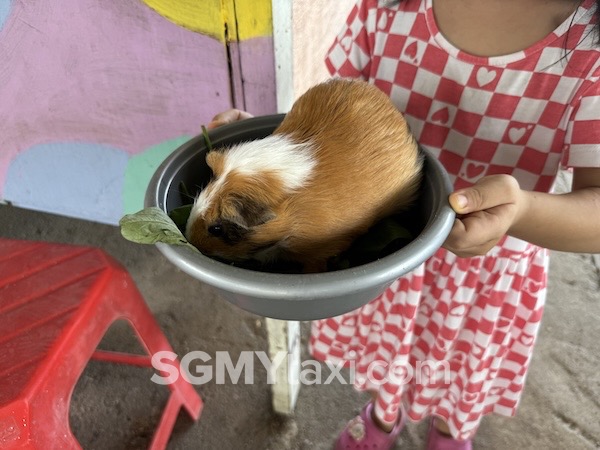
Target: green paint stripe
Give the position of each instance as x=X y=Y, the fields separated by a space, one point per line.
x=140 y=169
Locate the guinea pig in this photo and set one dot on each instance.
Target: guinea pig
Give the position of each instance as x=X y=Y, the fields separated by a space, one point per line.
x=342 y=159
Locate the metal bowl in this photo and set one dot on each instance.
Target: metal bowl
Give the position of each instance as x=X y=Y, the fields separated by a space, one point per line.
x=295 y=296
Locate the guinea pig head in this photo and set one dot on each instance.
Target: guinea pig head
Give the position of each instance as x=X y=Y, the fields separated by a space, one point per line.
x=241 y=213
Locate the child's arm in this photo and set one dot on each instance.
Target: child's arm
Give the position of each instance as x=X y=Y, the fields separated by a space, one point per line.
x=497 y=206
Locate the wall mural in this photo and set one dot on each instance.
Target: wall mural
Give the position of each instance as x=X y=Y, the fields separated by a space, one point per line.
x=95 y=94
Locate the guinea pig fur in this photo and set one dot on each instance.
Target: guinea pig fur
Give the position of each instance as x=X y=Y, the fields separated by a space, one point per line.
x=342 y=159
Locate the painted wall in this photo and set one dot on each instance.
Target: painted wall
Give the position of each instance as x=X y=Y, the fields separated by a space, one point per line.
x=95 y=93
x=315 y=25
x=303 y=31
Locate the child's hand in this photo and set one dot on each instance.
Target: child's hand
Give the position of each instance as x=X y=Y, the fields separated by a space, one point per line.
x=229 y=116
x=485 y=213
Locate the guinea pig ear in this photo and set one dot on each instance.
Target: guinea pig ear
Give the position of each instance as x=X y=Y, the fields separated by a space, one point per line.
x=250 y=212
x=215 y=161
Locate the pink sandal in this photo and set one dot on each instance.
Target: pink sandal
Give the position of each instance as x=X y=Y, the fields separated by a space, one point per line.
x=436 y=440
x=363 y=433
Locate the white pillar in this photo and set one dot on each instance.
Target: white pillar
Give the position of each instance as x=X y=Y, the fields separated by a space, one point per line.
x=284 y=336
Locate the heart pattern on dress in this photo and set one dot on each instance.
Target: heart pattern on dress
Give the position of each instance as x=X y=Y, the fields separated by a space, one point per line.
x=459 y=358
x=503 y=323
x=346 y=42
x=470 y=397
x=349 y=321
x=441 y=116
x=458 y=311
x=474 y=170
x=485 y=76
x=526 y=339
x=533 y=286
x=516 y=133
x=412 y=51
x=442 y=344
x=425 y=309
x=496 y=390
x=477 y=349
x=382 y=22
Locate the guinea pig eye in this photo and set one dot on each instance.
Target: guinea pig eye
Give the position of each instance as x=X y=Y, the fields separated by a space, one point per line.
x=216 y=230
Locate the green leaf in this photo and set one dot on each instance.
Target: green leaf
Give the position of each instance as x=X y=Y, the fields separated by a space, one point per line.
x=152 y=225
x=180 y=216
x=206 y=138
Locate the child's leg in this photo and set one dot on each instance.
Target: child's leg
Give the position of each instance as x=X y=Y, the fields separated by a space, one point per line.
x=385 y=426
x=442 y=426
x=439 y=438
x=439 y=424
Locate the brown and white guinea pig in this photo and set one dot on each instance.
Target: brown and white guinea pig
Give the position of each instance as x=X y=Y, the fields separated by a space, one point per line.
x=342 y=159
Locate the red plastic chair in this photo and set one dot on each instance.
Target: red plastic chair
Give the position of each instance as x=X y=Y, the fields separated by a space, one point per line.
x=56 y=303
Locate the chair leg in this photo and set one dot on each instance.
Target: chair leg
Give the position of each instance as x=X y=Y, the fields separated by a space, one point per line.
x=121 y=299
x=122 y=358
x=152 y=338
x=167 y=421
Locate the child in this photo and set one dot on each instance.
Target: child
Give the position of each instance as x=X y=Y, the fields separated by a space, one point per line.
x=504 y=93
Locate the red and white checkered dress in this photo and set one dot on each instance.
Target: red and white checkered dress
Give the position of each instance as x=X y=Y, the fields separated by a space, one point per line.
x=523 y=114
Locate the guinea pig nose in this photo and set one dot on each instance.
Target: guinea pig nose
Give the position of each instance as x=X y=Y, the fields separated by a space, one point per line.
x=216 y=229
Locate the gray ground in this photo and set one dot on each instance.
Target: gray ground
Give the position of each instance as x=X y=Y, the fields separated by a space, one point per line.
x=117 y=407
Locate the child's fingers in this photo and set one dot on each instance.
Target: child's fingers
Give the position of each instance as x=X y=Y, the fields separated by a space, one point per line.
x=477 y=233
x=229 y=116
x=490 y=191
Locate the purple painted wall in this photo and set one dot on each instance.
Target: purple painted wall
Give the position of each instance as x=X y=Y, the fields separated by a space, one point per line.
x=89 y=78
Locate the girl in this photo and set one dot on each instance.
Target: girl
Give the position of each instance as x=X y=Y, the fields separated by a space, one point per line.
x=504 y=92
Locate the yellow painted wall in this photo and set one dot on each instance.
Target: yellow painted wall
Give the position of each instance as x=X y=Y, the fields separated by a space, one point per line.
x=245 y=19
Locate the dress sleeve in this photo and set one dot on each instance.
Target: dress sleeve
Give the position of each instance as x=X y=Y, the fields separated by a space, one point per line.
x=582 y=141
x=350 y=54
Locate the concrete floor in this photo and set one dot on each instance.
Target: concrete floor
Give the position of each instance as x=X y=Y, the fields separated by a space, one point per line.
x=117 y=407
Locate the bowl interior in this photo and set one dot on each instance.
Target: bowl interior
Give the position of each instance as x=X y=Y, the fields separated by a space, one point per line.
x=194 y=173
